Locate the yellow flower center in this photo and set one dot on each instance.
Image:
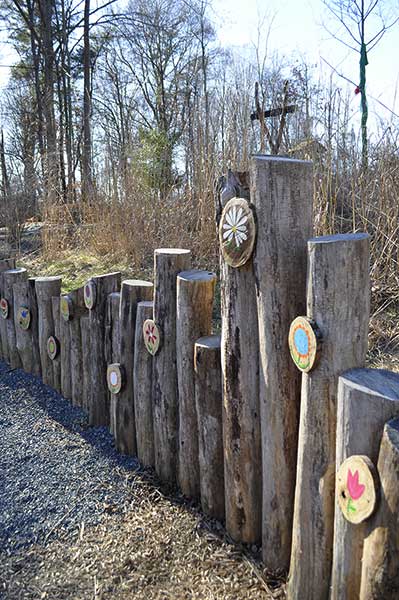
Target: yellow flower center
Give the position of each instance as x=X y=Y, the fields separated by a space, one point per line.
x=234 y=229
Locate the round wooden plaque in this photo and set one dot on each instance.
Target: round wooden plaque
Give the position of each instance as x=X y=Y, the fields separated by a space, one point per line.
x=4 y=308
x=357 y=488
x=53 y=347
x=237 y=232
x=151 y=335
x=90 y=294
x=23 y=317
x=304 y=340
x=115 y=378
x=66 y=308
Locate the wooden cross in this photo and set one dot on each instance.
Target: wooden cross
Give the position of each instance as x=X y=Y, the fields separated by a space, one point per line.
x=260 y=115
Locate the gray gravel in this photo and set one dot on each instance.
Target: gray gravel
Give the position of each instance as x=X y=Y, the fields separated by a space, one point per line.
x=55 y=472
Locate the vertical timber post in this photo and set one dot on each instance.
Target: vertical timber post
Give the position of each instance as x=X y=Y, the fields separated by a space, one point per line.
x=195 y=291
x=112 y=346
x=46 y=288
x=55 y=305
x=5 y=265
x=76 y=350
x=86 y=360
x=338 y=300
x=209 y=402
x=26 y=340
x=168 y=263
x=65 y=355
x=9 y=279
x=282 y=193
x=142 y=384
x=132 y=292
x=367 y=398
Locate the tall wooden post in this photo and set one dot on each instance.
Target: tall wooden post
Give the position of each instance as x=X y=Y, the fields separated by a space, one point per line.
x=195 y=291
x=282 y=193
x=168 y=263
x=86 y=360
x=132 y=292
x=10 y=278
x=209 y=402
x=65 y=356
x=76 y=350
x=5 y=265
x=338 y=300
x=380 y=564
x=99 y=397
x=142 y=387
x=46 y=288
x=240 y=368
x=112 y=345
x=25 y=311
x=55 y=304
x=367 y=398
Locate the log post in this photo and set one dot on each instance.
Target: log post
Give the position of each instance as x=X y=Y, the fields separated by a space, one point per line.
x=46 y=288
x=367 y=399
x=240 y=369
x=132 y=292
x=142 y=384
x=55 y=304
x=5 y=265
x=10 y=278
x=168 y=262
x=380 y=564
x=338 y=300
x=86 y=358
x=25 y=311
x=65 y=354
x=209 y=402
x=282 y=193
x=112 y=345
x=76 y=351
x=96 y=294
x=195 y=291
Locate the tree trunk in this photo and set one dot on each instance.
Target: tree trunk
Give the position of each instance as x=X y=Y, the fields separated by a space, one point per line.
x=142 y=383
x=209 y=402
x=195 y=291
x=367 y=398
x=281 y=190
x=168 y=263
x=380 y=564
x=46 y=288
x=10 y=278
x=132 y=292
x=87 y=175
x=338 y=300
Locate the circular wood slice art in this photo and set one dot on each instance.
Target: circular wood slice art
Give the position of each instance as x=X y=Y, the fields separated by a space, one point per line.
x=115 y=378
x=151 y=335
x=23 y=317
x=4 y=308
x=237 y=232
x=66 y=308
x=53 y=347
x=90 y=294
x=357 y=488
x=304 y=340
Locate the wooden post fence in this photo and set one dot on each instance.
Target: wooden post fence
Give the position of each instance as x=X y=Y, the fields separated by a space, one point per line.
x=65 y=353
x=46 y=288
x=112 y=345
x=86 y=360
x=76 y=348
x=5 y=265
x=338 y=300
x=10 y=278
x=55 y=305
x=26 y=331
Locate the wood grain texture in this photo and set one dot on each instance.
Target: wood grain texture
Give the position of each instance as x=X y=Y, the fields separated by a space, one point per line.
x=281 y=191
x=142 y=387
x=380 y=563
x=338 y=300
x=195 y=292
x=27 y=340
x=86 y=360
x=77 y=310
x=5 y=265
x=132 y=292
x=55 y=304
x=99 y=410
x=46 y=288
x=241 y=415
x=367 y=399
x=112 y=345
x=168 y=263
x=10 y=278
x=65 y=356
x=209 y=407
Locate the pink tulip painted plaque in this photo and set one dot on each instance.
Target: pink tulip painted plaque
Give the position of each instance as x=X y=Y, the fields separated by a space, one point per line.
x=4 y=308
x=357 y=487
x=151 y=336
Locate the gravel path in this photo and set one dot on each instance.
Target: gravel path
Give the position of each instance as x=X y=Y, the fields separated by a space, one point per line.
x=78 y=520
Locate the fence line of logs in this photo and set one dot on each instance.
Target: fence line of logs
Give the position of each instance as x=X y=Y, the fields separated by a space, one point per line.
x=274 y=425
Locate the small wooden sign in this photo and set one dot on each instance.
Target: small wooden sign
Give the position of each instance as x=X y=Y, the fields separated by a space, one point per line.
x=115 y=378
x=23 y=317
x=237 y=232
x=90 y=294
x=53 y=347
x=4 y=308
x=304 y=340
x=152 y=336
x=357 y=488
x=66 y=308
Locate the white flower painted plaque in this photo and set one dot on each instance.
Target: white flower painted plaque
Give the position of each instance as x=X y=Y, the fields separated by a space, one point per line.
x=237 y=232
